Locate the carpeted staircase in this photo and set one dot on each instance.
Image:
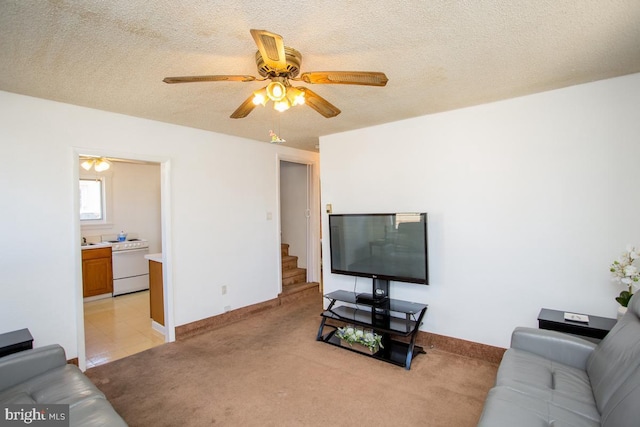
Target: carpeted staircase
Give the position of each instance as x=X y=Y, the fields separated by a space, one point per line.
x=294 y=279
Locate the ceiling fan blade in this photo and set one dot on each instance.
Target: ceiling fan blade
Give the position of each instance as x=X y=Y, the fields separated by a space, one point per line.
x=244 y=109
x=194 y=79
x=367 y=78
x=319 y=104
x=271 y=47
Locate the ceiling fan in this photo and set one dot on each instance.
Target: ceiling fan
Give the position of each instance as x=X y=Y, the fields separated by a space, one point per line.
x=281 y=65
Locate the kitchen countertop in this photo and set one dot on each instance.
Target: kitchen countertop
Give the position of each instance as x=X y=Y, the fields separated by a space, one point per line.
x=154 y=257
x=95 y=245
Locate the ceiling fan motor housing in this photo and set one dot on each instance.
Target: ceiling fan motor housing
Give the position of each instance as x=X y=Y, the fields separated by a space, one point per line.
x=293 y=59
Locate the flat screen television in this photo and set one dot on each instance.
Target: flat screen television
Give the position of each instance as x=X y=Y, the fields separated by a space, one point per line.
x=383 y=247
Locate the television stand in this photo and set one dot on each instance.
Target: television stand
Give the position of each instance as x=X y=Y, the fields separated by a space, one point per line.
x=377 y=317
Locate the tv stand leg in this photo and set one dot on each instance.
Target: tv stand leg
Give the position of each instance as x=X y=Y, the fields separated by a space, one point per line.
x=324 y=319
x=412 y=346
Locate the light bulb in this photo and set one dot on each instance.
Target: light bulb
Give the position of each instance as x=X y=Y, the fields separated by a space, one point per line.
x=276 y=91
x=295 y=96
x=86 y=165
x=259 y=99
x=260 y=96
x=101 y=165
x=299 y=99
x=281 y=105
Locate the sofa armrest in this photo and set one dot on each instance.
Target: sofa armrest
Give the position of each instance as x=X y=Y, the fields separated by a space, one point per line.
x=556 y=346
x=18 y=367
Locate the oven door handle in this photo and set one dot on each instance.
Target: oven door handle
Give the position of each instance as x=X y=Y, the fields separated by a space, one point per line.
x=128 y=251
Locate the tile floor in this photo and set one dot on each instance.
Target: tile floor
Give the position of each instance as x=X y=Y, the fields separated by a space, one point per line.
x=118 y=327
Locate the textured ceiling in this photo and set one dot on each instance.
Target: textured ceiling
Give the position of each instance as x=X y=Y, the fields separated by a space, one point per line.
x=438 y=54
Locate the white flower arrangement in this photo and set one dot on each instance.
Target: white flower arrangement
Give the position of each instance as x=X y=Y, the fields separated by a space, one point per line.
x=623 y=271
x=353 y=335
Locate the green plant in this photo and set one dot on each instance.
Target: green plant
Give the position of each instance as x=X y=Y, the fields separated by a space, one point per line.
x=354 y=335
x=625 y=272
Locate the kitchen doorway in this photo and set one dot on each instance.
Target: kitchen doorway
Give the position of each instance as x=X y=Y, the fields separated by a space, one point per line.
x=113 y=327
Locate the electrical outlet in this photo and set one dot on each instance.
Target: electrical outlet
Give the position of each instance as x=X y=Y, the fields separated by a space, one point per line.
x=227 y=308
x=224 y=289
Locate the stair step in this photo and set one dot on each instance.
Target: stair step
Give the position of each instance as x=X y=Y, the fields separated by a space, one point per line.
x=294 y=275
x=289 y=262
x=293 y=272
x=295 y=288
x=284 y=249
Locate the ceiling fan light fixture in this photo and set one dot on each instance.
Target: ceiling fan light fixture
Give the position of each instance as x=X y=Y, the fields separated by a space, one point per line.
x=276 y=91
x=260 y=97
x=295 y=96
x=282 y=105
x=281 y=65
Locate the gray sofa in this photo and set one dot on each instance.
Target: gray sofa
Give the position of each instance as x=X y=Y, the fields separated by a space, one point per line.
x=42 y=376
x=552 y=379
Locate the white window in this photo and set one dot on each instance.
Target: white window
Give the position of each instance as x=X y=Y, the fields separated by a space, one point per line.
x=95 y=201
x=92 y=200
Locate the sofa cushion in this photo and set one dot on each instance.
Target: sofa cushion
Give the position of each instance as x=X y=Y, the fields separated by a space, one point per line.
x=623 y=408
x=20 y=398
x=65 y=385
x=95 y=412
x=17 y=367
x=553 y=345
x=552 y=382
x=616 y=357
x=507 y=407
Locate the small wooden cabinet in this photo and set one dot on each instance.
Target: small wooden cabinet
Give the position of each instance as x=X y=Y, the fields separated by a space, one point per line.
x=97 y=272
x=156 y=295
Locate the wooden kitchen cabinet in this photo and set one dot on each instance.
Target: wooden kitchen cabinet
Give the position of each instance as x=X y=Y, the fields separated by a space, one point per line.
x=97 y=272
x=156 y=296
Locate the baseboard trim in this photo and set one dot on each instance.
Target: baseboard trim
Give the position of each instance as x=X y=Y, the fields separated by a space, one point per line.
x=459 y=346
x=215 y=322
x=427 y=340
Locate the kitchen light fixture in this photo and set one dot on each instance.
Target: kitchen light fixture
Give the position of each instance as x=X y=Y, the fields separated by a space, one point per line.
x=100 y=165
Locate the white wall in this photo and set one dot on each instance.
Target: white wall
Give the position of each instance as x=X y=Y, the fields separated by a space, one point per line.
x=135 y=203
x=220 y=189
x=530 y=200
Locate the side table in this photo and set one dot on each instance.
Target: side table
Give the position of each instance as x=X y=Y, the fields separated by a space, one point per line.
x=597 y=327
x=13 y=342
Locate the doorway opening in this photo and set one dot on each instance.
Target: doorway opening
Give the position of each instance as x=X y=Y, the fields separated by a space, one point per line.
x=113 y=324
x=299 y=227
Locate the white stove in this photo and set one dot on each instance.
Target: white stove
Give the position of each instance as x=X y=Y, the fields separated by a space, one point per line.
x=130 y=268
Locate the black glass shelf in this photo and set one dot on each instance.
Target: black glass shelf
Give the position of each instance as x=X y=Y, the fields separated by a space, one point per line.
x=393 y=352
x=373 y=319
x=390 y=304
